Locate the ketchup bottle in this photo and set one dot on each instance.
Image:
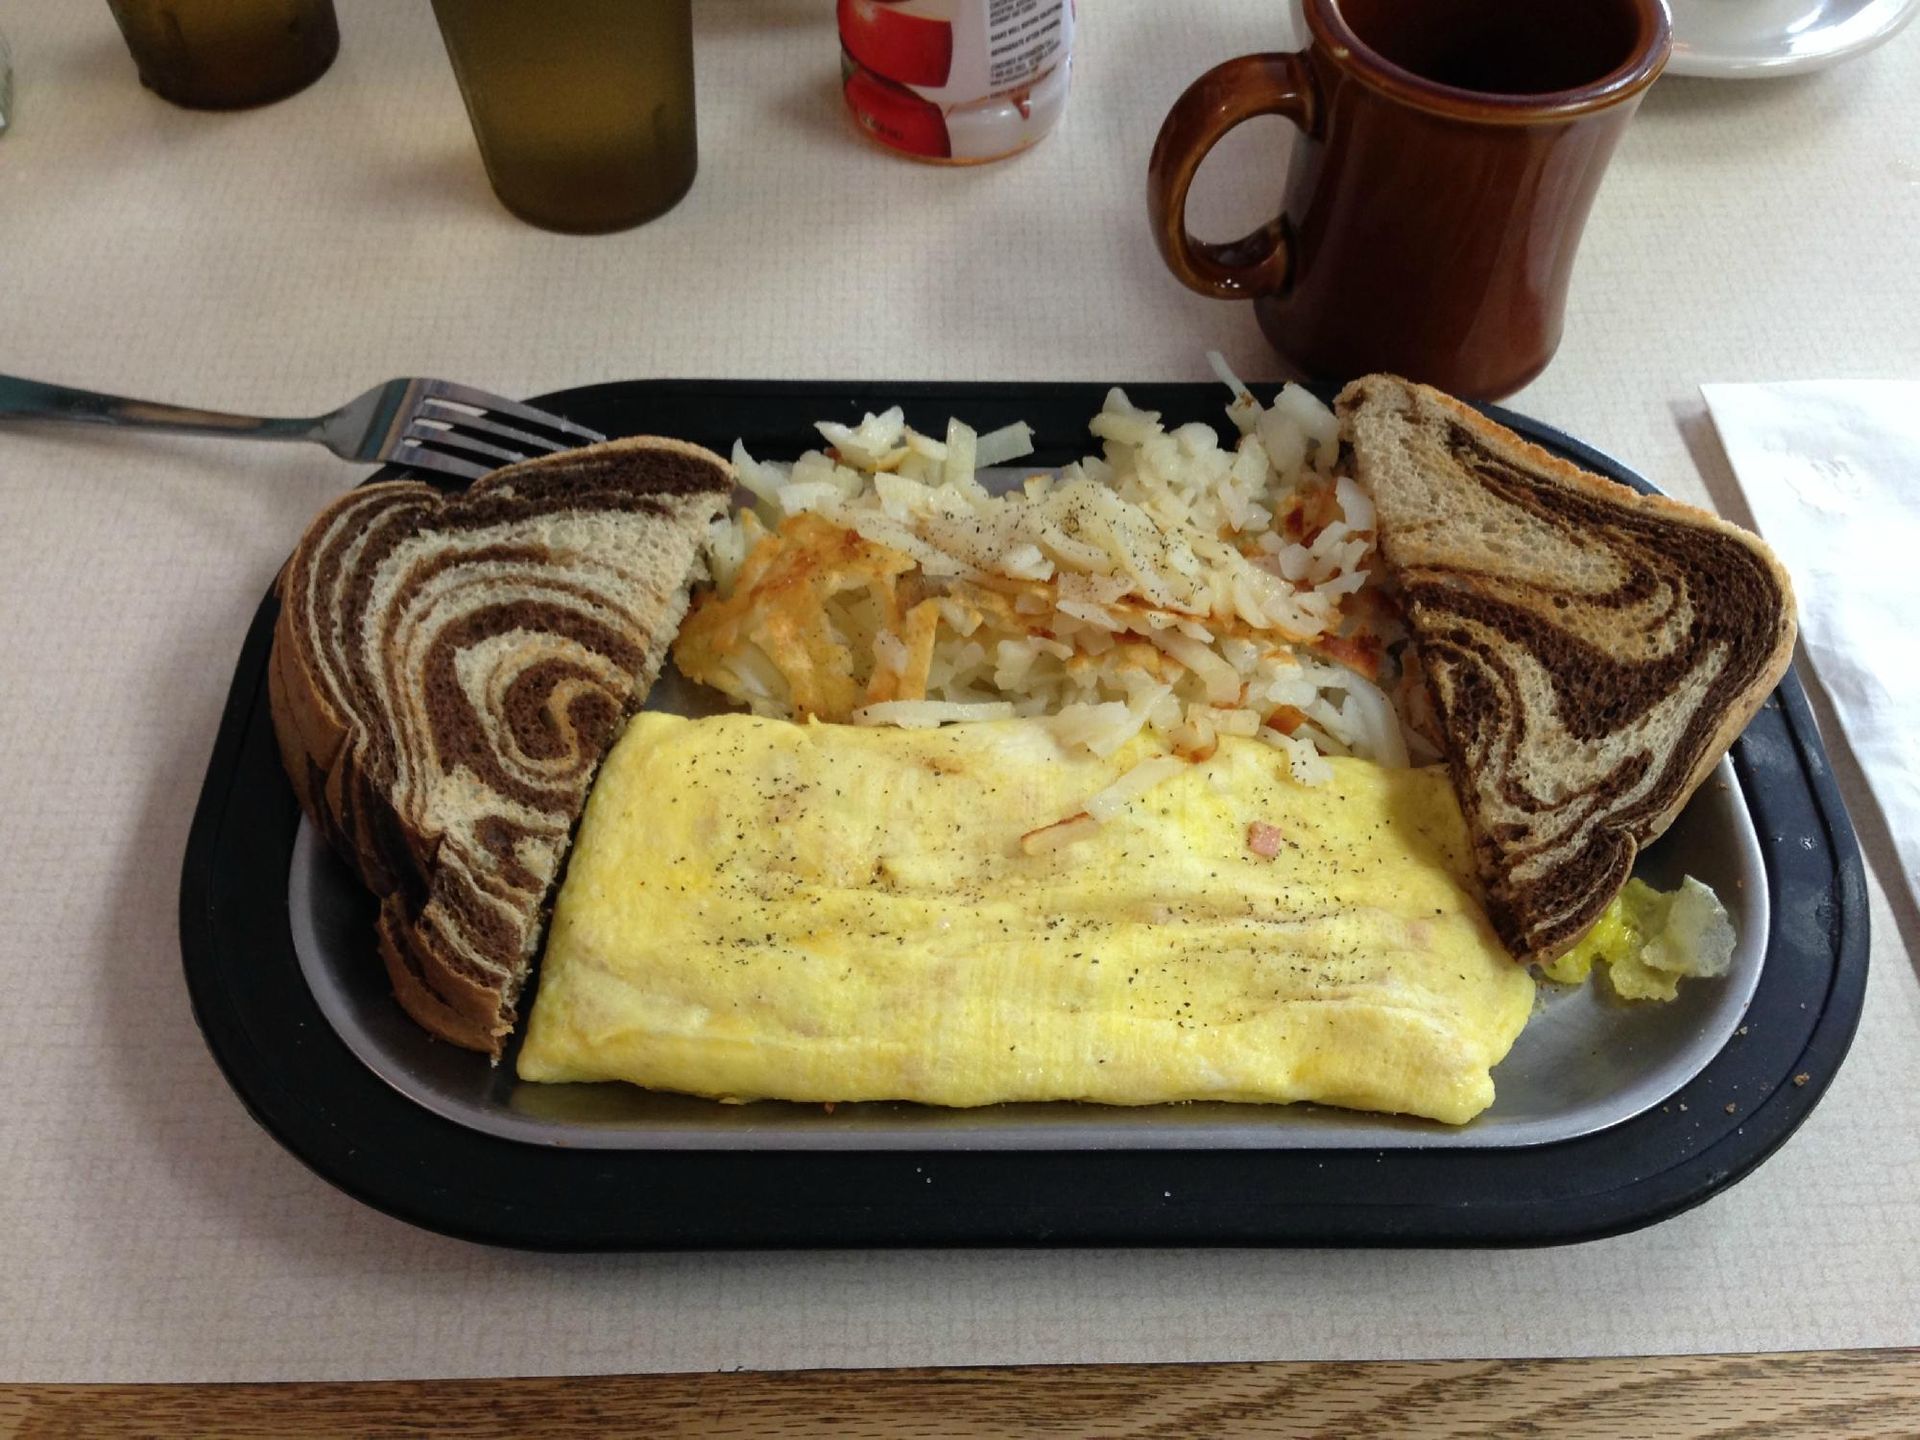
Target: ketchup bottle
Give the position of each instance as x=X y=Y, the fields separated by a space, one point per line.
x=956 y=82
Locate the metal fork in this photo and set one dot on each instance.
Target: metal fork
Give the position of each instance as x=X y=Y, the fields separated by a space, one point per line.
x=424 y=424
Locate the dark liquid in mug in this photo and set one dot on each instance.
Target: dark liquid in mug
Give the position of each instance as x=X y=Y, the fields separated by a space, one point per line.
x=1500 y=47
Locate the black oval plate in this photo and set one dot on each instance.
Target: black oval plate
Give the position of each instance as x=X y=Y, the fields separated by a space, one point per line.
x=302 y=1084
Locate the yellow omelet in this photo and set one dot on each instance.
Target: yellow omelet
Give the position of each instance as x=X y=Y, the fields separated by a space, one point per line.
x=757 y=909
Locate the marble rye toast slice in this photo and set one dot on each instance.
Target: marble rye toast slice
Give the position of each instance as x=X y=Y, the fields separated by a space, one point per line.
x=1592 y=652
x=447 y=674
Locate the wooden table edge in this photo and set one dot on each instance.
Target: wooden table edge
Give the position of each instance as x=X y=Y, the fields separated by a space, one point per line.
x=1826 y=1393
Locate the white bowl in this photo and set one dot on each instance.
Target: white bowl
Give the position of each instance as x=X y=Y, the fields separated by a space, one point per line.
x=1755 y=39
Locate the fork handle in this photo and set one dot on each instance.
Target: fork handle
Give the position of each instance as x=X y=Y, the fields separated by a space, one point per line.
x=22 y=399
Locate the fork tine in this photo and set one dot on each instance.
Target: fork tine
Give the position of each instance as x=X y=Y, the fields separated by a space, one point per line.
x=481 y=400
x=430 y=434
x=437 y=411
x=415 y=456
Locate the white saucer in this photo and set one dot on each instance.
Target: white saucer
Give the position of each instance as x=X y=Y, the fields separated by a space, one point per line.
x=1755 y=39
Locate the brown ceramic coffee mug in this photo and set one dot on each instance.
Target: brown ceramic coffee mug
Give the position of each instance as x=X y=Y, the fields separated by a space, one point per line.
x=1447 y=156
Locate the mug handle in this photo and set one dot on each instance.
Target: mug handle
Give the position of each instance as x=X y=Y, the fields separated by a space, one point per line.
x=1227 y=95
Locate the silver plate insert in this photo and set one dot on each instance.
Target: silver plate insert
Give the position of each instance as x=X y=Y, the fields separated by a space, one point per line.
x=1584 y=1062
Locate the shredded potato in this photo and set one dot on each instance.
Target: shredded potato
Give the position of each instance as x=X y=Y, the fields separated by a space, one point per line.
x=1168 y=583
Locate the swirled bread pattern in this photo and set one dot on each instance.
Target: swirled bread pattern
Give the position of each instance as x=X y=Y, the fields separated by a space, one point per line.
x=447 y=675
x=1592 y=652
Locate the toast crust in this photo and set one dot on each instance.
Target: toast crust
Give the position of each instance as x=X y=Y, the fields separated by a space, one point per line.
x=1582 y=705
x=457 y=925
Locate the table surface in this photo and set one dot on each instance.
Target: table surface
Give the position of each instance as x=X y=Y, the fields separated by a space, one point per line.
x=1833 y=1395
x=280 y=260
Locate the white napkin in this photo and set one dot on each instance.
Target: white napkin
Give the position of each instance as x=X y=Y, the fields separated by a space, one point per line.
x=1832 y=471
